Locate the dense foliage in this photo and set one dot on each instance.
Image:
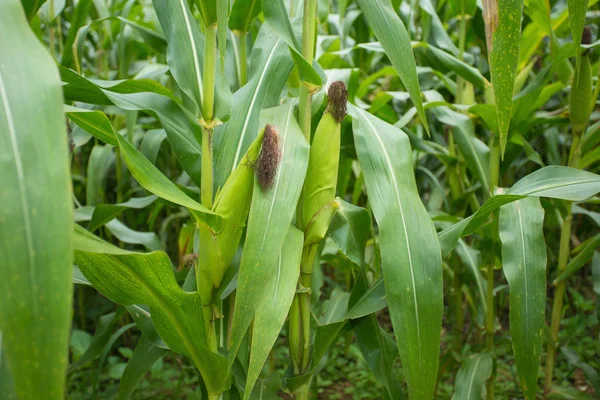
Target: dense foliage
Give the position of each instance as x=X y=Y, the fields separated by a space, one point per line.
x=257 y=199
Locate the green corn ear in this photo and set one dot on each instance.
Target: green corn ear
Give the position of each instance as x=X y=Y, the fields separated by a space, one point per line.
x=217 y=249
x=233 y=202
x=321 y=176
x=580 y=107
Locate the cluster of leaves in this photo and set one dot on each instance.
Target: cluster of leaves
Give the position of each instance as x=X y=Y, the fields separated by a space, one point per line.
x=465 y=175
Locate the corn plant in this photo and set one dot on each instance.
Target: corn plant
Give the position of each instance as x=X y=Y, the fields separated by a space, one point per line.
x=204 y=164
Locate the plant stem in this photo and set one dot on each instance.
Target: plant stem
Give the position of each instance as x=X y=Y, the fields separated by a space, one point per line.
x=243 y=59
x=490 y=317
x=563 y=258
x=51 y=30
x=208 y=89
x=210 y=62
x=308 y=51
x=457 y=307
x=300 y=314
x=302 y=392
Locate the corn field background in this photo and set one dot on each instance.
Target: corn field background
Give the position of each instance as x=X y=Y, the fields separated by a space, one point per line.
x=307 y=199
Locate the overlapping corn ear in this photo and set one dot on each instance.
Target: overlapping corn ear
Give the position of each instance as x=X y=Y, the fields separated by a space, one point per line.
x=580 y=100
x=318 y=204
x=232 y=203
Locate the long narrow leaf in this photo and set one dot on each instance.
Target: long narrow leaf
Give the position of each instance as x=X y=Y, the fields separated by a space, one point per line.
x=471 y=378
x=556 y=182
x=524 y=264
x=503 y=31
x=392 y=35
x=129 y=278
x=412 y=270
x=143 y=358
x=36 y=212
x=271 y=314
x=270 y=216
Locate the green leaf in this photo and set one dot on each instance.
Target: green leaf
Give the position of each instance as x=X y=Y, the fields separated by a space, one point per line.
x=222 y=21
x=208 y=11
x=143 y=358
x=7 y=390
x=503 y=32
x=392 y=35
x=590 y=373
x=269 y=70
x=31 y=7
x=100 y=339
x=471 y=378
x=475 y=152
x=577 y=10
x=94 y=122
x=438 y=30
x=129 y=278
x=372 y=300
x=107 y=348
x=380 y=353
x=376 y=345
x=143 y=319
x=587 y=252
x=103 y=213
x=558 y=183
x=185 y=55
x=270 y=216
x=276 y=16
x=102 y=158
x=412 y=270
x=36 y=212
x=48 y=15
x=448 y=61
x=271 y=314
x=335 y=307
x=524 y=265
x=154 y=181
x=554 y=181
x=183 y=130
x=350 y=229
x=472 y=259
x=78 y=18
x=242 y=14
x=154 y=39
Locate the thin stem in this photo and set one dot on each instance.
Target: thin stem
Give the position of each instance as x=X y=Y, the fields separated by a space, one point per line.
x=457 y=306
x=462 y=35
x=51 y=29
x=300 y=313
x=206 y=191
x=490 y=317
x=59 y=33
x=302 y=393
x=563 y=258
x=243 y=62
x=210 y=59
x=489 y=320
x=308 y=51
